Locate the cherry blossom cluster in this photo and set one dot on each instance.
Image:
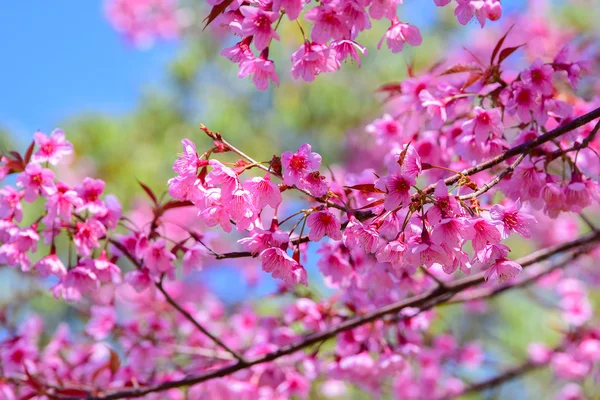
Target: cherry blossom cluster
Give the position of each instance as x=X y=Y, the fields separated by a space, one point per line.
x=334 y=27
x=144 y=21
x=467 y=157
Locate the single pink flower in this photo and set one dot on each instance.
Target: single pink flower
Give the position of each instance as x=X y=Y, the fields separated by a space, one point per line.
x=299 y=164
x=239 y=52
x=261 y=240
x=483 y=232
x=51 y=148
x=484 y=123
x=292 y=8
x=385 y=129
x=90 y=191
x=81 y=279
x=158 y=259
x=51 y=265
x=87 y=235
x=263 y=191
x=323 y=223
x=281 y=266
x=261 y=70
x=36 y=181
x=257 y=22
x=384 y=8
x=503 y=270
x=315 y=183
x=348 y=48
x=188 y=161
x=522 y=101
x=105 y=270
x=193 y=258
x=539 y=77
x=359 y=235
x=512 y=220
x=312 y=59
x=397 y=188
x=400 y=33
x=140 y=280
x=328 y=23
x=62 y=203
x=10 y=203
x=102 y=322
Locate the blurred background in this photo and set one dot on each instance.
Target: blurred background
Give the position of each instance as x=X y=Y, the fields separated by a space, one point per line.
x=126 y=109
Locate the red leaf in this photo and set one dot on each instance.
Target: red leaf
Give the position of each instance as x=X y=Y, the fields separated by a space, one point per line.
x=176 y=204
x=149 y=192
x=29 y=152
x=507 y=52
x=216 y=11
x=114 y=362
x=16 y=156
x=472 y=79
x=499 y=45
x=390 y=87
x=458 y=68
x=373 y=204
x=365 y=187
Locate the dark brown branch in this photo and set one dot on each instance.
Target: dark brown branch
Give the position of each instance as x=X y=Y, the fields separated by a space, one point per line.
x=488 y=185
x=427 y=299
x=522 y=148
x=175 y=305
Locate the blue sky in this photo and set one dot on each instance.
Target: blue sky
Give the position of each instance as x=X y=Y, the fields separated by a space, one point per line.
x=62 y=57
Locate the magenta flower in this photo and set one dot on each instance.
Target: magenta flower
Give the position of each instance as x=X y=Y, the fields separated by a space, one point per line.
x=263 y=191
x=483 y=233
x=384 y=8
x=193 y=258
x=102 y=322
x=10 y=203
x=261 y=70
x=51 y=148
x=36 y=181
x=140 y=280
x=261 y=240
x=397 y=188
x=522 y=101
x=400 y=33
x=158 y=259
x=87 y=235
x=257 y=22
x=356 y=234
x=404 y=161
x=315 y=183
x=328 y=23
x=512 y=220
x=503 y=270
x=333 y=264
x=105 y=270
x=292 y=8
x=51 y=265
x=81 y=279
x=62 y=203
x=323 y=223
x=188 y=161
x=484 y=123
x=539 y=77
x=299 y=164
x=578 y=195
x=90 y=191
x=393 y=252
x=239 y=52
x=385 y=129
x=222 y=175
x=348 y=48
x=281 y=266
x=311 y=59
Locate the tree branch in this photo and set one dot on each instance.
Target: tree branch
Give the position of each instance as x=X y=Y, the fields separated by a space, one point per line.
x=425 y=300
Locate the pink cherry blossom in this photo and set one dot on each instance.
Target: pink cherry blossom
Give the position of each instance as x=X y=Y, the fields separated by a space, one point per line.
x=281 y=266
x=263 y=191
x=398 y=190
x=87 y=236
x=348 y=48
x=292 y=8
x=193 y=258
x=51 y=148
x=261 y=70
x=298 y=164
x=158 y=259
x=539 y=76
x=503 y=270
x=328 y=23
x=484 y=123
x=400 y=33
x=51 y=265
x=312 y=59
x=257 y=22
x=10 y=203
x=36 y=181
x=323 y=223
x=513 y=220
x=90 y=191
